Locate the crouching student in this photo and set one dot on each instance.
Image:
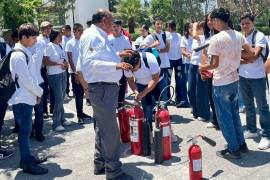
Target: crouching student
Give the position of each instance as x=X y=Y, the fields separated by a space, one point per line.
x=27 y=95
x=145 y=81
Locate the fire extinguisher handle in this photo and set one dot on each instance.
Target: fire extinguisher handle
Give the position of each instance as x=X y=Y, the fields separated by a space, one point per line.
x=209 y=141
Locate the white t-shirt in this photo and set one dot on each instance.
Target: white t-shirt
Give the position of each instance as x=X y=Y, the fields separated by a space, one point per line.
x=164 y=57
x=139 y=41
x=119 y=43
x=227 y=45
x=65 y=39
x=55 y=54
x=175 y=52
x=256 y=69
x=144 y=74
x=197 y=56
x=73 y=47
x=186 y=43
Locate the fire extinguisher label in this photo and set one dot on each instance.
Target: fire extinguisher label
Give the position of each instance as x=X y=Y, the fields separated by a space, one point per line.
x=134 y=132
x=166 y=131
x=197 y=165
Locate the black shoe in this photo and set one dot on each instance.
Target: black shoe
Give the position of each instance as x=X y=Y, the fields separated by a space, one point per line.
x=243 y=148
x=81 y=120
x=33 y=169
x=182 y=105
x=228 y=154
x=99 y=171
x=88 y=103
x=15 y=130
x=123 y=176
x=85 y=116
x=4 y=154
x=40 y=137
x=40 y=160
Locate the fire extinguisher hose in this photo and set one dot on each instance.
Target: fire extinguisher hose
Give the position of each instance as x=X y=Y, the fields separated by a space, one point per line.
x=167 y=87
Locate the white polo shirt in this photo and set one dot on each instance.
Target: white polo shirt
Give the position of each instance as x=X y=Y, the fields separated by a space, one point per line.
x=98 y=59
x=256 y=69
x=175 y=52
x=55 y=54
x=73 y=47
x=164 y=57
x=186 y=43
x=119 y=43
x=144 y=75
x=139 y=41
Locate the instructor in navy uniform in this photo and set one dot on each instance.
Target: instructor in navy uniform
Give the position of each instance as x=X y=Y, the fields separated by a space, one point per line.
x=102 y=68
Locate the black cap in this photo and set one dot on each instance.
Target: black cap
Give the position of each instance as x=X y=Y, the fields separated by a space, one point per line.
x=118 y=22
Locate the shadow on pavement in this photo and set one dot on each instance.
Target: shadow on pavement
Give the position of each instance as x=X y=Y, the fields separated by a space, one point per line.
x=137 y=173
x=176 y=119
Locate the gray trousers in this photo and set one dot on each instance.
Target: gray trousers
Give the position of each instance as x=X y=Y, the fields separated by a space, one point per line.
x=104 y=99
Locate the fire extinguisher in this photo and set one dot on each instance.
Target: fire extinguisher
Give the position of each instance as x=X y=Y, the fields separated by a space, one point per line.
x=195 y=157
x=136 y=117
x=123 y=119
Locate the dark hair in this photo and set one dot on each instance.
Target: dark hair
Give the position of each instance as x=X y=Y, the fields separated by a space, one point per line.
x=145 y=27
x=77 y=26
x=186 y=27
x=134 y=59
x=172 y=25
x=27 y=30
x=15 y=34
x=98 y=16
x=117 y=22
x=157 y=19
x=222 y=14
x=248 y=15
x=206 y=29
x=54 y=34
x=89 y=23
x=67 y=27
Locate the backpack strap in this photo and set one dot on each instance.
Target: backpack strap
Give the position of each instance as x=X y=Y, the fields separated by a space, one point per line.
x=253 y=38
x=155 y=37
x=164 y=37
x=2 y=49
x=145 y=59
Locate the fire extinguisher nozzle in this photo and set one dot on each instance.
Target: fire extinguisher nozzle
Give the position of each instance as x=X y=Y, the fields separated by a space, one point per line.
x=209 y=141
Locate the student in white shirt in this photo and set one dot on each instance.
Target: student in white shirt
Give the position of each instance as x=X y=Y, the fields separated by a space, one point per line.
x=186 y=45
x=253 y=83
x=120 y=43
x=72 y=49
x=267 y=64
x=27 y=94
x=160 y=40
x=197 y=88
x=176 y=62
x=225 y=50
x=66 y=32
x=144 y=31
x=56 y=62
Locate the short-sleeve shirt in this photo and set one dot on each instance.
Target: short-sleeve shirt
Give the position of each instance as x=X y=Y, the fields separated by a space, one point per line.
x=73 y=47
x=55 y=54
x=196 y=57
x=144 y=75
x=119 y=43
x=175 y=52
x=164 y=57
x=227 y=45
x=139 y=41
x=186 y=43
x=256 y=69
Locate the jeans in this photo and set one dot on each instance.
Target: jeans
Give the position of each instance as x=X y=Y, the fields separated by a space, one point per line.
x=198 y=93
x=180 y=80
x=58 y=83
x=23 y=116
x=38 y=123
x=149 y=101
x=68 y=84
x=240 y=97
x=227 y=109
x=250 y=89
x=212 y=105
x=166 y=78
x=78 y=92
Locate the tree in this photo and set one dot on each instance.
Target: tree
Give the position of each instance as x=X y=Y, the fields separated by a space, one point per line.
x=129 y=11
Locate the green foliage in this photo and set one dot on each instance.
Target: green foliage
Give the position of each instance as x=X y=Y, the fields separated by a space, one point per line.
x=264 y=29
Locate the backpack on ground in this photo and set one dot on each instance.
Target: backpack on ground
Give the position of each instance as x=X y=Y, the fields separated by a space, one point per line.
x=7 y=84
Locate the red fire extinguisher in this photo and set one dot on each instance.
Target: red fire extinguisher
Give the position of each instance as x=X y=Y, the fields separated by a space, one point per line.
x=162 y=117
x=123 y=119
x=195 y=157
x=136 y=117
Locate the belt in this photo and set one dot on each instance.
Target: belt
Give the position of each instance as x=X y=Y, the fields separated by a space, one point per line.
x=103 y=83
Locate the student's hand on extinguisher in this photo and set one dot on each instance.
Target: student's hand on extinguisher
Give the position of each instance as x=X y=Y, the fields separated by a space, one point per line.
x=138 y=97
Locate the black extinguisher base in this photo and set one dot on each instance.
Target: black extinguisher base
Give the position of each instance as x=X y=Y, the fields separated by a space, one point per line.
x=146 y=144
x=158 y=147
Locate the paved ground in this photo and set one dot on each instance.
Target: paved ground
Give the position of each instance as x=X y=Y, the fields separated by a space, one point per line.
x=71 y=154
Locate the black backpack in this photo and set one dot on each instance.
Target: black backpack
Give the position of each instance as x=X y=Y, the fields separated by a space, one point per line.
x=266 y=48
x=7 y=84
x=2 y=49
x=150 y=50
x=163 y=37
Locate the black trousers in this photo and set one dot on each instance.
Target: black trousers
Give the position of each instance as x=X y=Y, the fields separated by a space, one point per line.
x=78 y=92
x=122 y=90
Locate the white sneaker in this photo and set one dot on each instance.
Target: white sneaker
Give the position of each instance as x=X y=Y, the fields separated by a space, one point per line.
x=250 y=135
x=242 y=109
x=210 y=125
x=264 y=143
x=67 y=123
x=59 y=128
x=201 y=119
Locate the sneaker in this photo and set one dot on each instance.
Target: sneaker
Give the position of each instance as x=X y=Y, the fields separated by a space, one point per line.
x=40 y=137
x=243 y=148
x=59 y=128
x=85 y=116
x=81 y=120
x=228 y=154
x=99 y=171
x=242 y=109
x=183 y=104
x=210 y=125
x=67 y=123
x=250 y=135
x=123 y=176
x=46 y=115
x=4 y=154
x=34 y=169
x=264 y=143
x=88 y=103
x=201 y=119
